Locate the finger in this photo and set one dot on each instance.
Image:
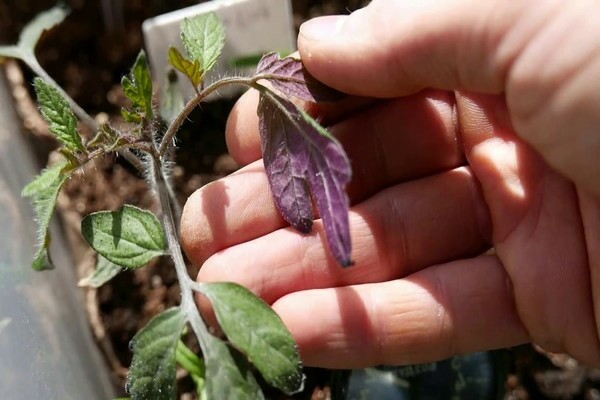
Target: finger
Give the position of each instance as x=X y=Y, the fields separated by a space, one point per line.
x=241 y=133
x=590 y=215
x=239 y=208
x=460 y=307
x=398 y=231
x=392 y=48
x=537 y=230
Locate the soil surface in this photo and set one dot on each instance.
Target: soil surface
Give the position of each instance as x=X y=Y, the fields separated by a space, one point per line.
x=87 y=55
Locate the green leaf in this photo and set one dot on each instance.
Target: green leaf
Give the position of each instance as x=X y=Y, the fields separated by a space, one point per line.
x=194 y=365
x=152 y=371
x=105 y=270
x=228 y=375
x=191 y=69
x=254 y=328
x=42 y=22
x=137 y=87
x=58 y=114
x=129 y=237
x=171 y=99
x=43 y=191
x=130 y=116
x=203 y=37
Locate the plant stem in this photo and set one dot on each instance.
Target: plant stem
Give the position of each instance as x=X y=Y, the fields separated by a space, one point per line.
x=194 y=101
x=185 y=282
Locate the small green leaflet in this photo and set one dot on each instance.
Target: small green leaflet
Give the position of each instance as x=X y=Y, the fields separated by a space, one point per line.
x=32 y=32
x=43 y=191
x=203 y=37
x=137 y=87
x=129 y=237
x=191 y=69
x=58 y=114
x=171 y=99
x=152 y=371
x=194 y=365
x=104 y=272
x=189 y=361
x=254 y=328
x=228 y=375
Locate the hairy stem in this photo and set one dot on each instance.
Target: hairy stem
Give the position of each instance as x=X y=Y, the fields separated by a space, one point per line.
x=185 y=282
x=194 y=101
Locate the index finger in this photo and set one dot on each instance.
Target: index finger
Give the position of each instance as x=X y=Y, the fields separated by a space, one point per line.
x=241 y=134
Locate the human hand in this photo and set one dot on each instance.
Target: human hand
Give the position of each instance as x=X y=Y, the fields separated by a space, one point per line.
x=500 y=151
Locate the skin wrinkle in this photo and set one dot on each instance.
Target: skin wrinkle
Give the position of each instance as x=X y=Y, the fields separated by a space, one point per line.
x=515 y=37
x=528 y=237
x=586 y=264
x=483 y=217
x=381 y=339
x=395 y=235
x=444 y=308
x=509 y=292
x=547 y=105
x=571 y=162
x=523 y=76
x=381 y=157
x=307 y=258
x=555 y=334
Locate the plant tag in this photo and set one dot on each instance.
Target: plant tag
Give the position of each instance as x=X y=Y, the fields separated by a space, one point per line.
x=253 y=28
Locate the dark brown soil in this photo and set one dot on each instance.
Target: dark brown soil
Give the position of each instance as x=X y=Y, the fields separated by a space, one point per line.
x=87 y=55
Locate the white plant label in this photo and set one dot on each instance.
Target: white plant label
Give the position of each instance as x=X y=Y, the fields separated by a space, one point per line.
x=253 y=27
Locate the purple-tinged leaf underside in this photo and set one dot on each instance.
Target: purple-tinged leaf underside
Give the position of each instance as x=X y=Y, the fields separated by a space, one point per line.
x=299 y=155
x=289 y=76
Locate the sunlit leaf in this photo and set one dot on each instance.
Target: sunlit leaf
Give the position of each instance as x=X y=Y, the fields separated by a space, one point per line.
x=43 y=191
x=228 y=375
x=129 y=237
x=152 y=371
x=58 y=114
x=203 y=37
x=105 y=270
x=137 y=87
x=297 y=152
x=289 y=76
x=254 y=328
x=130 y=116
x=191 y=69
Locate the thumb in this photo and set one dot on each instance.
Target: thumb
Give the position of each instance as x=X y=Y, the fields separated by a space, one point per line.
x=542 y=55
x=394 y=47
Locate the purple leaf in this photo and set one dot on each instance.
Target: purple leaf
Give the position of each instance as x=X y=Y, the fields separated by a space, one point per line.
x=289 y=76
x=299 y=155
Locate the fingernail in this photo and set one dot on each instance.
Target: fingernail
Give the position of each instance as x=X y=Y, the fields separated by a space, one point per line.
x=322 y=28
